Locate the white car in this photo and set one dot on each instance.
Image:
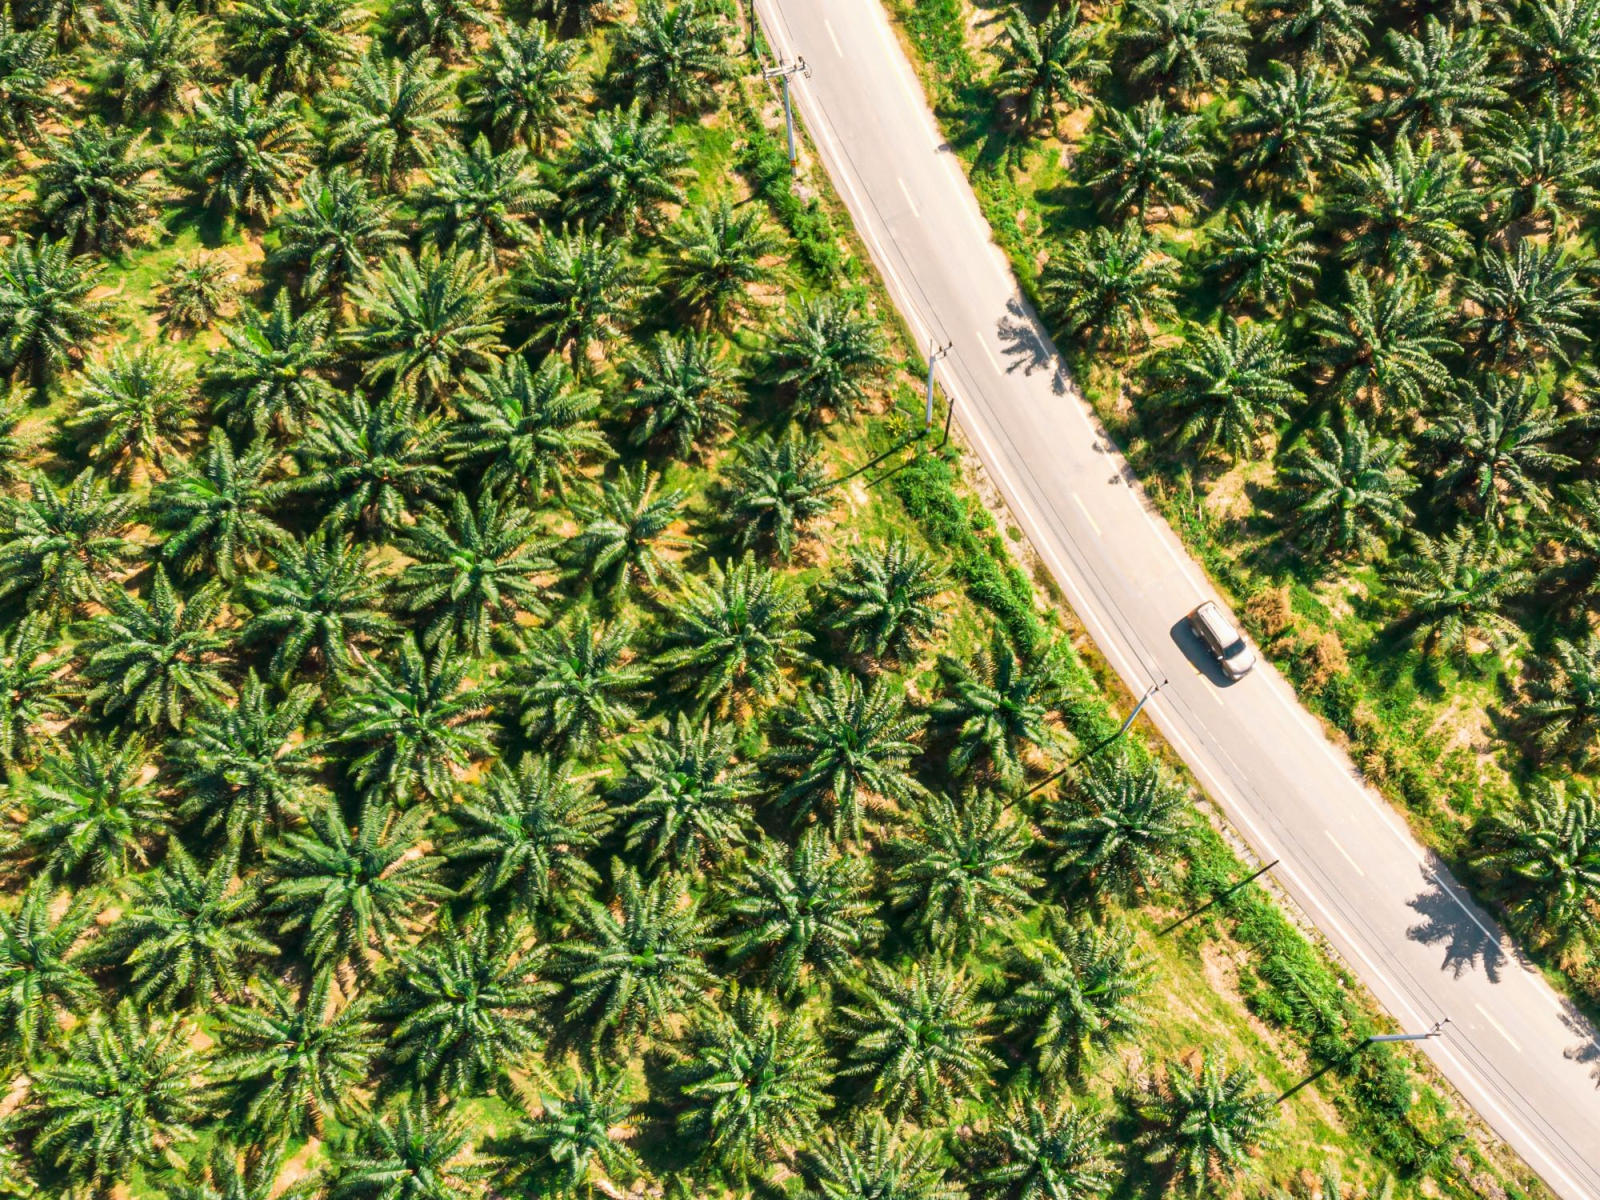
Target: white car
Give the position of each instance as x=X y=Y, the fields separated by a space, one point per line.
x=1223 y=640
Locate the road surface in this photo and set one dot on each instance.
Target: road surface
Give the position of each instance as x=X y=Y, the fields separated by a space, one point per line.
x=1520 y=1055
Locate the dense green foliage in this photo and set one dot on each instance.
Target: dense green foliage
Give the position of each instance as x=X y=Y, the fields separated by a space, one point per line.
x=1340 y=259
x=462 y=740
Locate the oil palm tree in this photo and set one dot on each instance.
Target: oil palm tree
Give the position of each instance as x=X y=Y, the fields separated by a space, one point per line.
x=1452 y=588
x=1573 y=525
x=577 y=16
x=625 y=534
x=291 y=1062
x=1348 y=490
x=1147 y=157
x=576 y=1137
x=47 y=308
x=90 y=810
x=1121 y=829
x=685 y=794
x=295 y=45
x=524 y=832
x=58 y=546
x=873 y=1158
x=375 y=463
x=624 y=167
x=32 y=686
x=846 y=752
x=683 y=391
x=1330 y=31
x=471 y=569
x=248 y=146
x=734 y=632
x=918 y=1039
x=635 y=964
x=28 y=65
x=803 y=911
x=776 y=489
x=156 y=658
x=1046 y=1150
x=1559 y=44
x=998 y=705
x=393 y=115
x=673 y=57
x=1544 y=860
x=1563 y=707
x=271 y=377
x=883 y=600
x=350 y=892
x=187 y=932
x=527 y=430
x=1045 y=63
x=224 y=1174
x=1541 y=170
x=1228 y=384
x=575 y=683
x=957 y=869
x=1298 y=125
x=1494 y=443
x=425 y=321
x=1443 y=81
x=1106 y=285
x=580 y=289
x=445 y=27
x=1185 y=43
x=468 y=1005
x=525 y=85
x=323 y=601
x=1076 y=990
x=42 y=977
x=1532 y=305
x=215 y=516
x=414 y=1152
x=92 y=187
x=156 y=53
x=197 y=292
x=827 y=355
x=246 y=768
x=133 y=411
x=755 y=1079
x=481 y=201
x=331 y=236
x=417 y=722
x=1406 y=207
x=1205 y=1119
x=1265 y=257
x=1385 y=344
x=126 y=1091
x=714 y=255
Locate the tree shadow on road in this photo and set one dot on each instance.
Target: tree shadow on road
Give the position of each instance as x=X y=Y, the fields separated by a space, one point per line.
x=1027 y=346
x=1587 y=1052
x=1445 y=923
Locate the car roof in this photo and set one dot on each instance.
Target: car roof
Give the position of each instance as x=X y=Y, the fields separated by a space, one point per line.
x=1217 y=624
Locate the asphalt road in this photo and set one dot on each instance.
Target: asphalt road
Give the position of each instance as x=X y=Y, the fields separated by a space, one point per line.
x=1519 y=1054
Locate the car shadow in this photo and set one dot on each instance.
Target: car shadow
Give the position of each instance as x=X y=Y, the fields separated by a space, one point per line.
x=1199 y=655
x=1466 y=947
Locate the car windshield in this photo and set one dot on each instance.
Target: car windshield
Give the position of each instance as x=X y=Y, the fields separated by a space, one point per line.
x=1234 y=650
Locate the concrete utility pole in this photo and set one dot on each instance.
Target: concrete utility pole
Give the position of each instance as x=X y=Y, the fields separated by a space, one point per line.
x=935 y=354
x=1438 y=1028
x=785 y=73
x=1101 y=745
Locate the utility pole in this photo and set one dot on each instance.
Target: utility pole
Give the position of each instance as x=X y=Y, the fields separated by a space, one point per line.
x=785 y=73
x=1101 y=745
x=936 y=353
x=1438 y=1028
